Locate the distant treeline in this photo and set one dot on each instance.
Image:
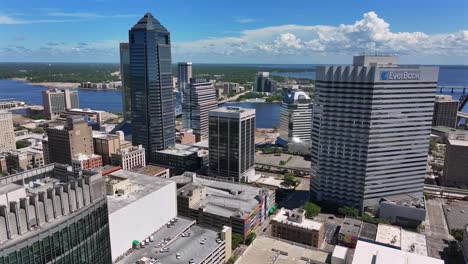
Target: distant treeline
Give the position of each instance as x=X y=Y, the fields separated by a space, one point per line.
x=60 y=72
x=101 y=72
x=240 y=73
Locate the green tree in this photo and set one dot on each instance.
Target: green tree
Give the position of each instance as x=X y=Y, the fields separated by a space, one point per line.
x=457 y=234
x=232 y=259
x=312 y=209
x=251 y=238
x=22 y=144
x=237 y=239
x=348 y=211
x=289 y=180
x=38 y=130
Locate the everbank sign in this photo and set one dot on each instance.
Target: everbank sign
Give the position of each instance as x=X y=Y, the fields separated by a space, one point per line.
x=399 y=75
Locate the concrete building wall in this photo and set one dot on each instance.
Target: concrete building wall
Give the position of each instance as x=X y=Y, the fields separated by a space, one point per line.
x=7 y=133
x=402 y=215
x=106 y=146
x=141 y=218
x=456 y=163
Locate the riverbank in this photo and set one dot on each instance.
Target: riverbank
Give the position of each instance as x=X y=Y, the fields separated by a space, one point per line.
x=50 y=85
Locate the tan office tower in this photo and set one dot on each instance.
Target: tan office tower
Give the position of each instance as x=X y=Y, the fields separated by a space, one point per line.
x=56 y=101
x=74 y=138
x=106 y=145
x=7 y=134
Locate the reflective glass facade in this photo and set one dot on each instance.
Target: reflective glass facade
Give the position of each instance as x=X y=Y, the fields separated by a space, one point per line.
x=83 y=238
x=152 y=101
x=124 y=75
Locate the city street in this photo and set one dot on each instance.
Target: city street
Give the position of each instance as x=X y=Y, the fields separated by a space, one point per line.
x=436 y=228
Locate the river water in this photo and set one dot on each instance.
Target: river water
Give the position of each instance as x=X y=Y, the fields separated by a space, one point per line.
x=267 y=113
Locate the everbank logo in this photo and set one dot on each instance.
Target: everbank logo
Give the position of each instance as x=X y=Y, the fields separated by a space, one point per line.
x=400 y=75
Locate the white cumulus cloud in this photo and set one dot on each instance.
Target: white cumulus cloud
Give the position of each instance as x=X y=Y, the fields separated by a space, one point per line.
x=369 y=34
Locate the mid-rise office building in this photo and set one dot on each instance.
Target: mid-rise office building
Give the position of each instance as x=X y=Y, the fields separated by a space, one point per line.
x=216 y=204
x=445 y=111
x=153 y=118
x=105 y=145
x=293 y=226
x=134 y=210
x=199 y=99
x=371 y=128
x=49 y=216
x=7 y=132
x=64 y=142
x=129 y=157
x=232 y=143
x=296 y=118
x=455 y=165
x=231 y=87
x=125 y=77
x=56 y=101
x=181 y=158
x=82 y=162
x=21 y=160
x=264 y=83
x=184 y=74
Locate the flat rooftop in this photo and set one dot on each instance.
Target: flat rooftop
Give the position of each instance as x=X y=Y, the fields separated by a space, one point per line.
x=228 y=199
x=282 y=217
x=180 y=150
x=389 y=234
x=368 y=231
x=144 y=184
x=265 y=249
x=455 y=142
x=351 y=226
x=405 y=200
x=376 y=254
x=149 y=170
x=413 y=242
x=188 y=247
x=456 y=214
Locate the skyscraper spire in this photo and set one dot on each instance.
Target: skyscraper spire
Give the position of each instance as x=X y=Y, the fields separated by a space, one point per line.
x=152 y=101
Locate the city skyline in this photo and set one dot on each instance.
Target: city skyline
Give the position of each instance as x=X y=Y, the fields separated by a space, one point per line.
x=228 y=33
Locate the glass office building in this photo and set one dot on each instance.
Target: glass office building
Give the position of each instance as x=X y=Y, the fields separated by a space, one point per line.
x=232 y=143
x=152 y=101
x=124 y=76
x=81 y=239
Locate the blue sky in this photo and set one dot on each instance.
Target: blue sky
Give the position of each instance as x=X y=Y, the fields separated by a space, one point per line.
x=296 y=31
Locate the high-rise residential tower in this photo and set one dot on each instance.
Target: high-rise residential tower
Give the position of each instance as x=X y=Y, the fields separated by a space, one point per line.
x=232 y=143
x=153 y=118
x=184 y=75
x=57 y=101
x=296 y=117
x=371 y=128
x=125 y=77
x=7 y=132
x=445 y=111
x=199 y=98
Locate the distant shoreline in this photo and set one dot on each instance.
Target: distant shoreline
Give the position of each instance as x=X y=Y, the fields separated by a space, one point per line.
x=60 y=85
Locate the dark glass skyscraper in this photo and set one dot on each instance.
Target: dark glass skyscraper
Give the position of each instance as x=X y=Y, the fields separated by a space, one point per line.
x=152 y=102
